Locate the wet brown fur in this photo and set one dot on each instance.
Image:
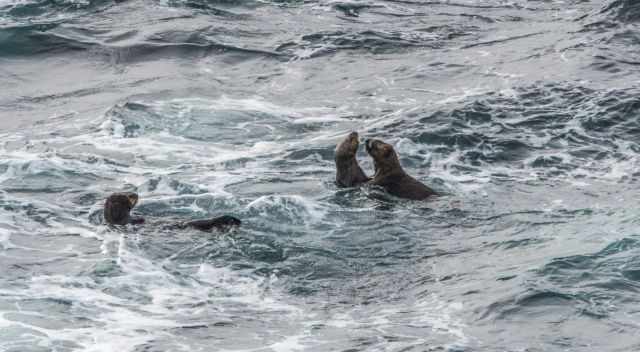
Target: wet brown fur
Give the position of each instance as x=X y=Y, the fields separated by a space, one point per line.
x=390 y=175
x=118 y=206
x=348 y=171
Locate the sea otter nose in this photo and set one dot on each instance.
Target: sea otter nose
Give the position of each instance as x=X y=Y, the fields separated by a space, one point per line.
x=367 y=143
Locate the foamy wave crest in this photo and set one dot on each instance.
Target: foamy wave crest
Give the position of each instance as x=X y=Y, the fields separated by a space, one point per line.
x=290 y=210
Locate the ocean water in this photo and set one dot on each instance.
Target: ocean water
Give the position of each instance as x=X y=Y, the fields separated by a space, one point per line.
x=524 y=114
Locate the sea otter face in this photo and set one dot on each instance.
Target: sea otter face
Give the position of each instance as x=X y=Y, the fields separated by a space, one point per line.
x=348 y=147
x=132 y=198
x=380 y=150
x=383 y=154
x=118 y=206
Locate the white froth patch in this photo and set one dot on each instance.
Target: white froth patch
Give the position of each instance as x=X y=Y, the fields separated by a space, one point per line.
x=183 y=108
x=440 y=315
x=464 y=94
x=5 y=239
x=111 y=127
x=66 y=287
x=405 y=146
x=289 y=344
x=256 y=103
x=267 y=147
x=428 y=318
x=294 y=208
x=109 y=239
x=65 y=229
x=123 y=324
x=226 y=285
x=579 y=184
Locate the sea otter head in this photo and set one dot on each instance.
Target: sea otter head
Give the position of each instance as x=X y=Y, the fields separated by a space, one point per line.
x=348 y=148
x=118 y=206
x=384 y=156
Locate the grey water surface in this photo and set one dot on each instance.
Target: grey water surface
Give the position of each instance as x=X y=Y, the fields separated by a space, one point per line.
x=525 y=114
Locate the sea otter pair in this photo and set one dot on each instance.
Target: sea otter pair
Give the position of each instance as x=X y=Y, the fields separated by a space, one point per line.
x=118 y=206
x=388 y=172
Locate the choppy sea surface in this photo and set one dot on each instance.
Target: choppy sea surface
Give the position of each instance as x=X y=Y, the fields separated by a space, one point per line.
x=525 y=114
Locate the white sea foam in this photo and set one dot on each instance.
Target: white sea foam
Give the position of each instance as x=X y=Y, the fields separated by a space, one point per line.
x=5 y=238
x=145 y=300
x=294 y=208
x=418 y=322
x=125 y=324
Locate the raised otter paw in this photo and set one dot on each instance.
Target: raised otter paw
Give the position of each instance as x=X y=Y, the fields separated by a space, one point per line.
x=348 y=171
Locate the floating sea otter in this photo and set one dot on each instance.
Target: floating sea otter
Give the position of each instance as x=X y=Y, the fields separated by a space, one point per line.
x=390 y=175
x=388 y=171
x=348 y=171
x=117 y=211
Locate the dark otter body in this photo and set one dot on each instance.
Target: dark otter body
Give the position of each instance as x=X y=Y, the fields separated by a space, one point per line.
x=118 y=206
x=390 y=175
x=348 y=171
x=221 y=223
x=117 y=211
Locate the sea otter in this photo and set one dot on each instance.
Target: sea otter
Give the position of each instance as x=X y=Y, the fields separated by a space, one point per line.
x=390 y=175
x=117 y=209
x=348 y=171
